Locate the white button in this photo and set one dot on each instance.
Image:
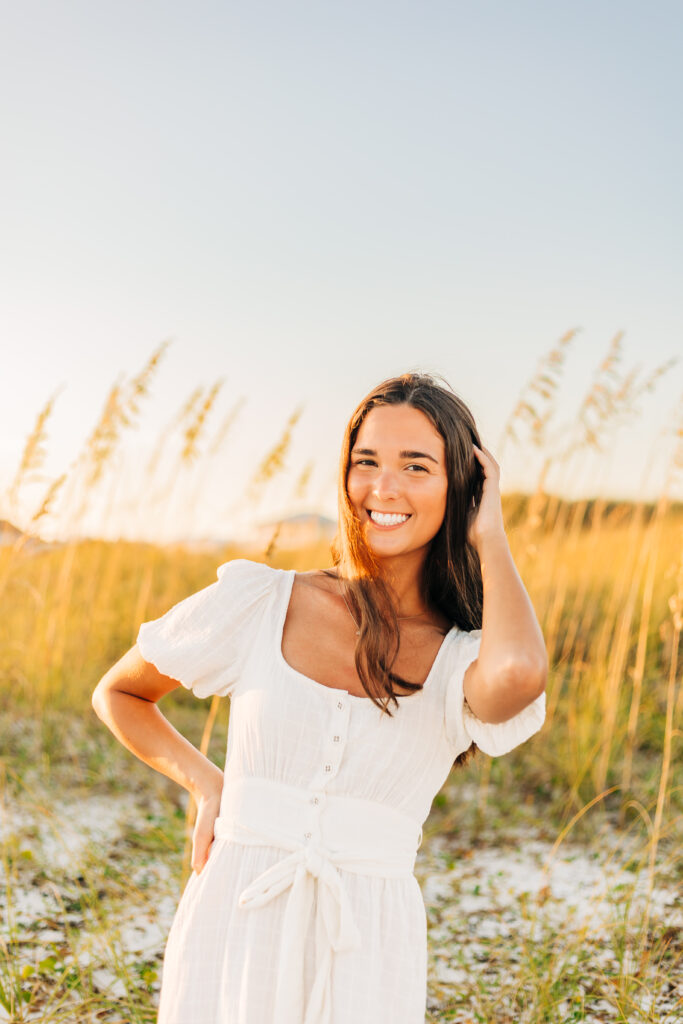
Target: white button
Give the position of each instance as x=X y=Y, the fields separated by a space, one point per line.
x=336 y=739
x=307 y=835
x=314 y=800
x=339 y=704
x=328 y=767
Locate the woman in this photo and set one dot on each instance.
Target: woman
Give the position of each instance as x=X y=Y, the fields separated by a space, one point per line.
x=353 y=690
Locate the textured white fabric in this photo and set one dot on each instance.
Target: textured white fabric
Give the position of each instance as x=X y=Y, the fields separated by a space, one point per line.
x=308 y=911
x=324 y=834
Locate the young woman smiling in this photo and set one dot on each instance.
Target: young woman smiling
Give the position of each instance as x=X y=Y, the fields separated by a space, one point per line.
x=353 y=691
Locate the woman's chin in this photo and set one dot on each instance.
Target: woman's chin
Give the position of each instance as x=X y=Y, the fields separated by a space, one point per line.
x=386 y=545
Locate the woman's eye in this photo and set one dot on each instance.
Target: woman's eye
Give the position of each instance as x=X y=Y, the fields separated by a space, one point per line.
x=371 y=462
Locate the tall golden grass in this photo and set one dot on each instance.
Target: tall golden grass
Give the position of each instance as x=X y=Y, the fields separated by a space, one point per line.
x=605 y=577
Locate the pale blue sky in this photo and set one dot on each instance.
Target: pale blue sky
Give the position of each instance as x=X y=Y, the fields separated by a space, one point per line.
x=309 y=197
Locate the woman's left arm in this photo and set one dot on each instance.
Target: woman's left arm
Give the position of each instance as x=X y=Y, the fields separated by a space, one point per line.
x=512 y=666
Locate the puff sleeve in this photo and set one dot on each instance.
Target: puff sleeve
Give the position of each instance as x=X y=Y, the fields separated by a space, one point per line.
x=202 y=640
x=462 y=725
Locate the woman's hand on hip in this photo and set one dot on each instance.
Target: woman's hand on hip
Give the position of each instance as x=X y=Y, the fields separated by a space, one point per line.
x=207 y=811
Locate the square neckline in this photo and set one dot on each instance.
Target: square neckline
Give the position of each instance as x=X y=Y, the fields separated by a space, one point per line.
x=279 y=636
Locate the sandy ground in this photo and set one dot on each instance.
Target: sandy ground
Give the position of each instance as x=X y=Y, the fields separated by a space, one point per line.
x=90 y=883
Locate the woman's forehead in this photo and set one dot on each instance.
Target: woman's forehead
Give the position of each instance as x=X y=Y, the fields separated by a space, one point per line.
x=398 y=426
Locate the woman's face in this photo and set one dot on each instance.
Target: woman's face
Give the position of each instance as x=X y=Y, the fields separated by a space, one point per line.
x=397 y=480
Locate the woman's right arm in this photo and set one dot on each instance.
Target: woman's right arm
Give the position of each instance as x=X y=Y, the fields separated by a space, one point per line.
x=125 y=700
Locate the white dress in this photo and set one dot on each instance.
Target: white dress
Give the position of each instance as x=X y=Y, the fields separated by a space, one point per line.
x=307 y=910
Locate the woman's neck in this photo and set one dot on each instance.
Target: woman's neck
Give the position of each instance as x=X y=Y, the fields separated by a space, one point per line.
x=403 y=575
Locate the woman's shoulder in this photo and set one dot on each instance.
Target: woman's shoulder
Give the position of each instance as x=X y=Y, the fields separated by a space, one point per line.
x=245 y=570
x=320 y=579
x=241 y=580
x=201 y=641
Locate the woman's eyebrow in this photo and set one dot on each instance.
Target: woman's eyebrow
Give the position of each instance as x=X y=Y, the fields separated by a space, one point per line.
x=401 y=455
x=417 y=455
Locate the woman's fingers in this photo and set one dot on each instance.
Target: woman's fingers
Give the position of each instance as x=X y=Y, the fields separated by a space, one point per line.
x=200 y=853
x=485 y=458
x=201 y=844
x=207 y=811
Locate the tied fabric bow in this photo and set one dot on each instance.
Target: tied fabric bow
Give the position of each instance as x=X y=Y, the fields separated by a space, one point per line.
x=335 y=929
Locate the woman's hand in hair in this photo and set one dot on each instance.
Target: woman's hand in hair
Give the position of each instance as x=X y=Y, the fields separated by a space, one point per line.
x=487 y=518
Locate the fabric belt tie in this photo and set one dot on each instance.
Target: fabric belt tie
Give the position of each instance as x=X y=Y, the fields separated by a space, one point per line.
x=324 y=834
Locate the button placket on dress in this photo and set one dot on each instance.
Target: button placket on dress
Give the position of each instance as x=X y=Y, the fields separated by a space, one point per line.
x=312 y=836
x=338 y=736
x=331 y=754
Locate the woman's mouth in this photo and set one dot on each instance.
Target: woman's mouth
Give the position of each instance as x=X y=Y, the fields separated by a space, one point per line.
x=387 y=520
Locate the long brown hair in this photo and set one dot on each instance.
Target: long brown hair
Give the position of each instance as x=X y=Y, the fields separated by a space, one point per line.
x=452 y=581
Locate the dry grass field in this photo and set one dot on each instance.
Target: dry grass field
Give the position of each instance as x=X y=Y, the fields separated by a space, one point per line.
x=552 y=876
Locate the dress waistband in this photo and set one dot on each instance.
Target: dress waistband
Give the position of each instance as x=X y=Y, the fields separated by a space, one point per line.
x=324 y=833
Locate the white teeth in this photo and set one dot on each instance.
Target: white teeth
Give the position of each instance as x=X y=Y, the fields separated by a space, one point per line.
x=387 y=518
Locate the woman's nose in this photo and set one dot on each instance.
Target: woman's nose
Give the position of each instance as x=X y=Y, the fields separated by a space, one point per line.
x=385 y=485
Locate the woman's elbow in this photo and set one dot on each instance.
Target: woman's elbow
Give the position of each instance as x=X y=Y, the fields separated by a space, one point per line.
x=101 y=695
x=507 y=691
x=527 y=676
x=514 y=685
x=98 y=700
